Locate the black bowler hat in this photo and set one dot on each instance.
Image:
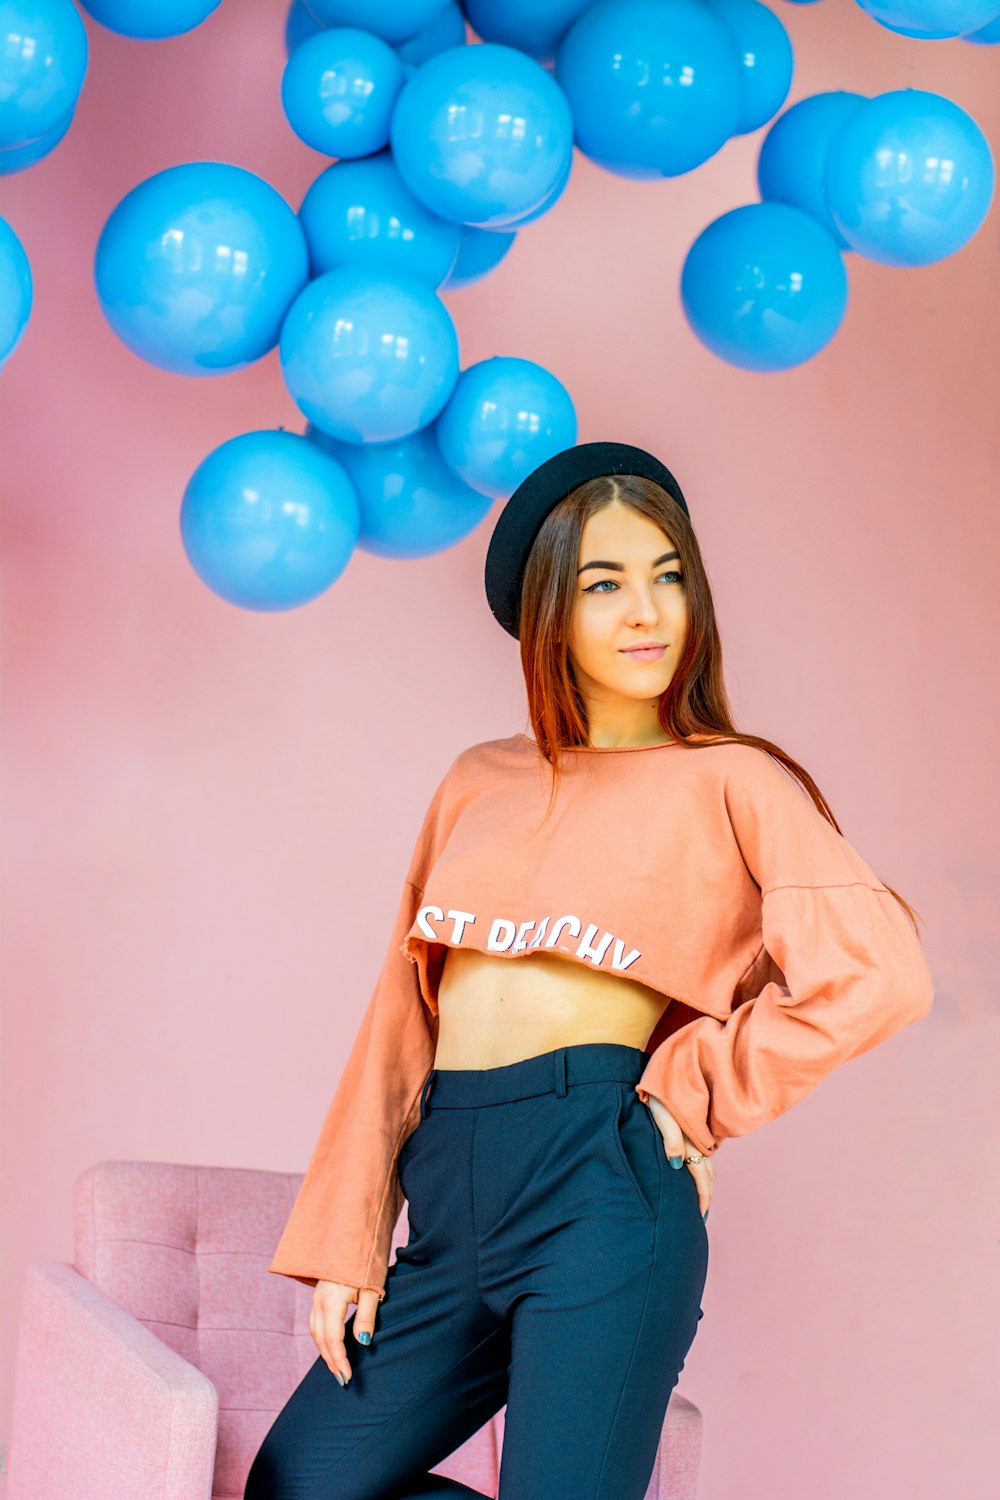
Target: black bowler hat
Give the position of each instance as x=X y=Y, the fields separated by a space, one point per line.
x=521 y=518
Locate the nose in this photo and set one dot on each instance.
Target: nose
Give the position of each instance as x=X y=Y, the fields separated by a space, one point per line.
x=642 y=610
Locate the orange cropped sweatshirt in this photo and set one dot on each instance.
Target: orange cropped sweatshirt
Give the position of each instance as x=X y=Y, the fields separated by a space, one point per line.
x=701 y=869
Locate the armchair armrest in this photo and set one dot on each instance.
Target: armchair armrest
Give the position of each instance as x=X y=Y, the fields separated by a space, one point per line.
x=101 y=1406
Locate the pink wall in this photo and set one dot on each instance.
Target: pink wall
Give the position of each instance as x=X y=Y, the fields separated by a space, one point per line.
x=208 y=811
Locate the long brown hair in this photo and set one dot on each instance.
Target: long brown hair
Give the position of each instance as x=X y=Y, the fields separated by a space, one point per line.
x=695 y=701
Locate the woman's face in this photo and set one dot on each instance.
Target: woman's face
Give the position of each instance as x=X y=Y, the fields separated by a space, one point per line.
x=629 y=591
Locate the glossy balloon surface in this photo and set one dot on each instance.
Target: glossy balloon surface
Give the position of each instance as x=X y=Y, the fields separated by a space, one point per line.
x=482 y=135
x=197 y=266
x=369 y=356
x=764 y=287
x=268 y=521
x=909 y=178
x=44 y=56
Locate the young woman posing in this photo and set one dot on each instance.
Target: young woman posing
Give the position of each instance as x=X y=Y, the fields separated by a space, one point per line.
x=621 y=940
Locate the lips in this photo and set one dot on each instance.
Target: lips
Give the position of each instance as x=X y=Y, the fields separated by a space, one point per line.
x=645 y=653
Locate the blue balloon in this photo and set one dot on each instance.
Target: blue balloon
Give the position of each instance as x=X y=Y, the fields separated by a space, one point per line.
x=909 y=178
x=43 y=62
x=268 y=521
x=505 y=417
x=479 y=250
x=197 y=266
x=369 y=356
x=411 y=503
x=16 y=158
x=532 y=26
x=764 y=287
x=931 y=20
x=150 y=19
x=393 y=20
x=455 y=145
x=16 y=291
x=338 y=91
x=655 y=86
x=766 y=57
x=446 y=30
x=362 y=213
x=986 y=36
x=792 y=156
x=300 y=25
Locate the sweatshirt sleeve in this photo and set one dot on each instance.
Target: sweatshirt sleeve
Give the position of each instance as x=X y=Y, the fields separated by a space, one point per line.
x=853 y=968
x=342 y=1221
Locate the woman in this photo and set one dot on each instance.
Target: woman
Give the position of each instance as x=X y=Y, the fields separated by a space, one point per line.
x=696 y=947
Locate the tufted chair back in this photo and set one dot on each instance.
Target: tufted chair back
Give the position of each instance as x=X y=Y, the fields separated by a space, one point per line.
x=185 y=1250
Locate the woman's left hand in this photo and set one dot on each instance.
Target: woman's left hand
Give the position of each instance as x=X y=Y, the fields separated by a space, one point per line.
x=677 y=1145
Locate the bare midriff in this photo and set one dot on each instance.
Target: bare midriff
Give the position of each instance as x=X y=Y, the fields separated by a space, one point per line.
x=495 y=1010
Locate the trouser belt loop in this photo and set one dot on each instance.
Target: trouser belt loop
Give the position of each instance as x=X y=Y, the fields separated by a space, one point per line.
x=560 y=1067
x=426 y=1091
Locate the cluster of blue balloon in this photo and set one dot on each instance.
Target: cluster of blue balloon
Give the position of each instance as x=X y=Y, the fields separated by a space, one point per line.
x=443 y=152
x=905 y=178
x=403 y=452
x=44 y=54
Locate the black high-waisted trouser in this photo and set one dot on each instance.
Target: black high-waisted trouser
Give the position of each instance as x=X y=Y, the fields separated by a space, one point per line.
x=555 y=1263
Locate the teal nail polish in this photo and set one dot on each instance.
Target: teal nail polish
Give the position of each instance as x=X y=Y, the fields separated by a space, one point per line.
x=706 y=1214
x=365 y=1337
x=676 y=1161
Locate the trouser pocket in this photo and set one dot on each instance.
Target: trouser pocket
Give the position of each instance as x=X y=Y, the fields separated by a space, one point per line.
x=638 y=1147
x=419 y=1147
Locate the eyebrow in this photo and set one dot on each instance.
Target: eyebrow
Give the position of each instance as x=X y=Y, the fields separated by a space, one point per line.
x=620 y=567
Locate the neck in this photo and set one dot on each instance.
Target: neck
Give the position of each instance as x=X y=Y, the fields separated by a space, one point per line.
x=640 y=726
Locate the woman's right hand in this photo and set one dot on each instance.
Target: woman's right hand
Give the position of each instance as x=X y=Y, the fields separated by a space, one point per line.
x=328 y=1316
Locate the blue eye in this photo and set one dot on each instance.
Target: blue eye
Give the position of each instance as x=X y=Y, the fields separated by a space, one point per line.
x=595 y=588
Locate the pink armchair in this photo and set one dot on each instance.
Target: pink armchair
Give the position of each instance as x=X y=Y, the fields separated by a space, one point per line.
x=154 y=1366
